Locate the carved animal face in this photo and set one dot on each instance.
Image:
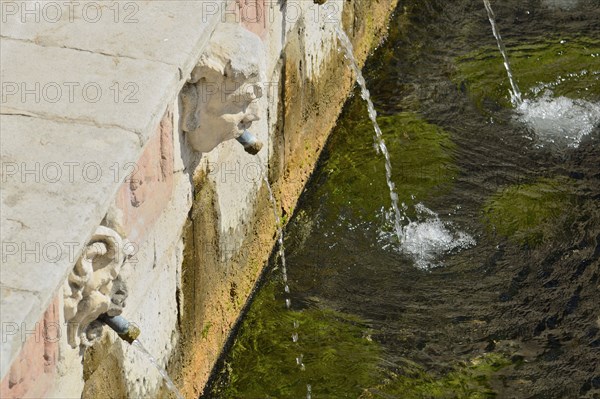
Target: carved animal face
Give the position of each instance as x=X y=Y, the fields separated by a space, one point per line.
x=220 y=100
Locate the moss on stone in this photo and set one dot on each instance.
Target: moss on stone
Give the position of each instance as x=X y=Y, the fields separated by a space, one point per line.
x=568 y=66
x=529 y=213
x=206 y=330
x=421 y=155
x=465 y=381
x=340 y=358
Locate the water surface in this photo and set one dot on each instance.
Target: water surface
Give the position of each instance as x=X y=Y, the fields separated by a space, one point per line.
x=495 y=291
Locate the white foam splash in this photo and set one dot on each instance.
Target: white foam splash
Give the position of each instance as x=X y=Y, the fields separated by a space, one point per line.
x=559 y=120
x=428 y=237
x=562 y=79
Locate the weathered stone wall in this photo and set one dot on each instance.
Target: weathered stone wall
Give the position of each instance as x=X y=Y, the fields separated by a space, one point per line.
x=200 y=226
x=33 y=372
x=217 y=278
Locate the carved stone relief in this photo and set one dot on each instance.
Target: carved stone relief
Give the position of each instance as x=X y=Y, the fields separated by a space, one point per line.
x=219 y=101
x=94 y=287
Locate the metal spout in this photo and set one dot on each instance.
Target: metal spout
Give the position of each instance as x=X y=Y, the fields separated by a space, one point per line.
x=251 y=144
x=126 y=330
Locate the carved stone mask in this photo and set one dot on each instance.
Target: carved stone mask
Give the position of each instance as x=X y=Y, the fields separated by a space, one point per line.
x=93 y=287
x=220 y=99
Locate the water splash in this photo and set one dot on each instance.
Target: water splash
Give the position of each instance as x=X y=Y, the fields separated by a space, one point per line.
x=515 y=93
x=562 y=79
x=379 y=141
x=168 y=381
x=422 y=240
x=559 y=120
x=428 y=237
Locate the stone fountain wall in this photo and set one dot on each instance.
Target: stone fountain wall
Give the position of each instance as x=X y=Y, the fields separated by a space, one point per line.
x=189 y=229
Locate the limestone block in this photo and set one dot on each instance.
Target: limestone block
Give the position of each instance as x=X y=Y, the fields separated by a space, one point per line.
x=57 y=181
x=171 y=32
x=89 y=290
x=219 y=101
x=254 y=16
x=86 y=87
x=154 y=309
x=148 y=187
x=32 y=373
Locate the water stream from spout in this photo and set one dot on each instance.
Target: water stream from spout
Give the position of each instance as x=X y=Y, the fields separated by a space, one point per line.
x=379 y=141
x=422 y=240
x=281 y=255
x=515 y=93
x=168 y=381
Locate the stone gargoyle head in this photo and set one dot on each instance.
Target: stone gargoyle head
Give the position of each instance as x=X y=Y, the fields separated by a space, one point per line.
x=219 y=101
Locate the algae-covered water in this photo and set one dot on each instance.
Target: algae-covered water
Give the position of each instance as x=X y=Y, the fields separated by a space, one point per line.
x=495 y=290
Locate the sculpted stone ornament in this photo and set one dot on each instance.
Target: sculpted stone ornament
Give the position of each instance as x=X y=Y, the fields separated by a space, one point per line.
x=94 y=287
x=219 y=101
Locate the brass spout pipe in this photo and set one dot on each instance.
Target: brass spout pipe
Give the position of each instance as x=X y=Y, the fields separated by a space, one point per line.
x=126 y=330
x=251 y=144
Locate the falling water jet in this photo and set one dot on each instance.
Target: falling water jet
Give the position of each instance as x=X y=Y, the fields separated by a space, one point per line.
x=129 y=332
x=433 y=233
x=281 y=255
x=168 y=381
x=379 y=141
x=280 y=247
x=515 y=93
x=555 y=120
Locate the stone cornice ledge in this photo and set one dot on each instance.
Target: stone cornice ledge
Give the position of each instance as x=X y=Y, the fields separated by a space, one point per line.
x=81 y=95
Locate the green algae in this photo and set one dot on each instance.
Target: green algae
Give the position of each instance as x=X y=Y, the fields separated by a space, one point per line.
x=422 y=163
x=470 y=380
x=205 y=330
x=339 y=356
x=569 y=67
x=529 y=213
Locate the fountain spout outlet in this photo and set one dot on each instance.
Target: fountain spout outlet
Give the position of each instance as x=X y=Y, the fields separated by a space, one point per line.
x=251 y=144
x=126 y=330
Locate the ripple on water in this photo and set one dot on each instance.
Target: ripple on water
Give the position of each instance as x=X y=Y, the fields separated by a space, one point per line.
x=559 y=120
x=561 y=4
